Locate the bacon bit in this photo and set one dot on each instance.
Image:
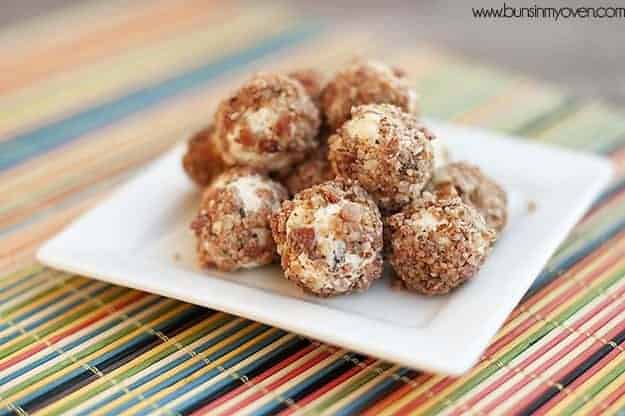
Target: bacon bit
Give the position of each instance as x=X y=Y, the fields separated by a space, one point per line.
x=246 y=138
x=199 y=223
x=330 y=196
x=304 y=238
x=282 y=126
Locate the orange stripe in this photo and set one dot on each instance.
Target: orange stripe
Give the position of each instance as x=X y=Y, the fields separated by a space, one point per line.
x=396 y=395
x=154 y=23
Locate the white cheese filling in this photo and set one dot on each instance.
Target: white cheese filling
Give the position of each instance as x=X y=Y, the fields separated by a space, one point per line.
x=365 y=126
x=332 y=249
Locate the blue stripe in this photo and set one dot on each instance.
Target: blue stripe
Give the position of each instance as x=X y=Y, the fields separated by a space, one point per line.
x=187 y=372
x=615 y=188
x=273 y=406
x=41 y=140
x=54 y=314
x=40 y=395
x=371 y=396
x=227 y=382
x=175 y=363
x=77 y=343
x=31 y=312
x=551 y=273
x=22 y=280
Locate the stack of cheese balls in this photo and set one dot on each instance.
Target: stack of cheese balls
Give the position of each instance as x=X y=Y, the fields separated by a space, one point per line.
x=333 y=176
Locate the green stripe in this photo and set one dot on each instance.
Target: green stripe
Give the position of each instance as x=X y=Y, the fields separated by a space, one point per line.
x=456 y=89
x=567 y=108
x=70 y=317
x=126 y=328
x=353 y=384
x=595 y=389
x=9 y=278
x=37 y=296
x=525 y=344
x=147 y=360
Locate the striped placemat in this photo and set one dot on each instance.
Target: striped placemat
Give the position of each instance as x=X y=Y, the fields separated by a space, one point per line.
x=89 y=94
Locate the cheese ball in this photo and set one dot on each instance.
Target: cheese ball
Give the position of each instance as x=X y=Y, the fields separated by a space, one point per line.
x=269 y=124
x=365 y=82
x=437 y=244
x=314 y=171
x=312 y=80
x=387 y=151
x=232 y=226
x=329 y=238
x=475 y=188
x=202 y=160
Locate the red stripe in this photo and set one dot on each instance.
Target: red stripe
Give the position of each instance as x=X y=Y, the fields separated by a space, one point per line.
x=397 y=394
x=56 y=338
x=522 y=327
x=556 y=358
x=576 y=363
x=329 y=386
x=258 y=379
x=554 y=284
x=289 y=376
x=608 y=400
x=605 y=204
x=425 y=396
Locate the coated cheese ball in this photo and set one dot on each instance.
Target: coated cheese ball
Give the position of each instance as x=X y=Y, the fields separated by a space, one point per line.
x=312 y=80
x=387 y=151
x=330 y=238
x=202 y=161
x=475 y=188
x=232 y=226
x=437 y=244
x=365 y=82
x=269 y=124
x=314 y=171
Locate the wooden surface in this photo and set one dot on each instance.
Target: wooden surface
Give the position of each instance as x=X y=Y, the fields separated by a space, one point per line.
x=586 y=57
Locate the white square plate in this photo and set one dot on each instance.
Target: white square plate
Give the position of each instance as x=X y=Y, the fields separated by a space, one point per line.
x=140 y=238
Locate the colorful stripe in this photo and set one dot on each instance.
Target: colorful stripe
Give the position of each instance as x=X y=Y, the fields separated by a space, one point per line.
x=94 y=93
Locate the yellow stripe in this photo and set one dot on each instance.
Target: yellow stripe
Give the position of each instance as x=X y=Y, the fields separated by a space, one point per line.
x=22 y=337
x=172 y=123
x=68 y=23
x=32 y=284
x=138 y=392
x=267 y=395
x=150 y=401
x=8 y=279
x=62 y=296
x=234 y=401
x=489 y=361
x=402 y=401
x=546 y=378
x=116 y=384
x=74 y=366
x=278 y=393
x=582 y=389
x=618 y=404
x=382 y=376
x=70 y=91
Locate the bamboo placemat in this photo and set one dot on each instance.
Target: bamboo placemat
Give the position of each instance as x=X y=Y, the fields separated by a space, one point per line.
x=90 y=93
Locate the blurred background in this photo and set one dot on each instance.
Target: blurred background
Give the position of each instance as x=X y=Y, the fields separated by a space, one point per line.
x=585 y=56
